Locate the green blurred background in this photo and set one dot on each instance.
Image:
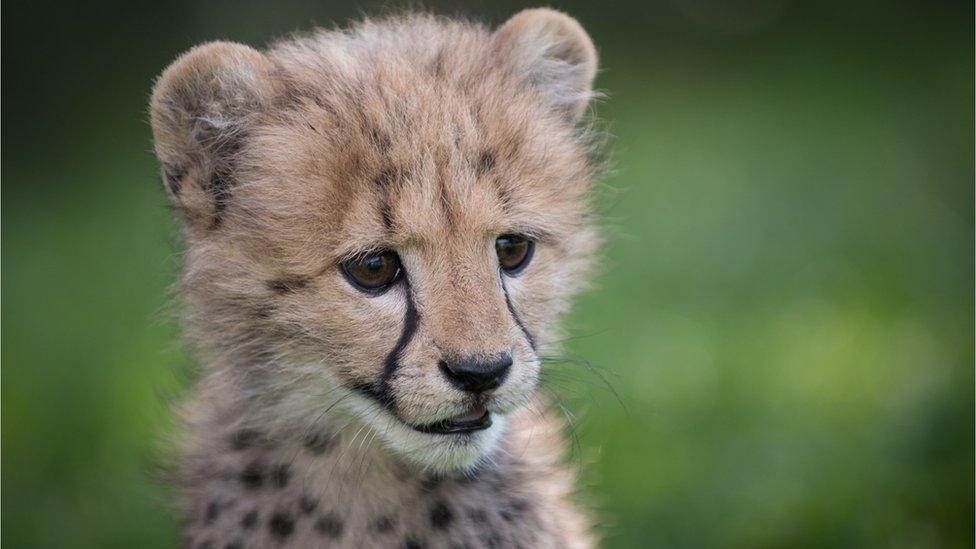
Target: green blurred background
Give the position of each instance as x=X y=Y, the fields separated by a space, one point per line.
x=786 y=308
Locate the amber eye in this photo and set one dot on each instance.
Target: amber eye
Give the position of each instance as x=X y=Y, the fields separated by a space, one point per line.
x=373 y=273
x=514 y=252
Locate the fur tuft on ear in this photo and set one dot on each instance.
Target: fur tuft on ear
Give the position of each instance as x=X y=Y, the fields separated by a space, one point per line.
x=550 y=50
x=201 y=107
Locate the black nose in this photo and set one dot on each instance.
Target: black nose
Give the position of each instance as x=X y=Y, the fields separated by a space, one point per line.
x=477 y=375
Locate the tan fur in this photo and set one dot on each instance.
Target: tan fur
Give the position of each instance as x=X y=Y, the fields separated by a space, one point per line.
x=426 y=136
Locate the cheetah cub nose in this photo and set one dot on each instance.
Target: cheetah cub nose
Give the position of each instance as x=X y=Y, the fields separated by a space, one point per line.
x=477 y=375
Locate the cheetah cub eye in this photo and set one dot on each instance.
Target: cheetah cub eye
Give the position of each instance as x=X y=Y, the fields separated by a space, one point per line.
x=514 y=252
x=374 y=273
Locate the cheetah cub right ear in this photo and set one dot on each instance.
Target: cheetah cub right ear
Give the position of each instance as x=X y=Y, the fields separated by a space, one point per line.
x=552 y=52
x=201 y=107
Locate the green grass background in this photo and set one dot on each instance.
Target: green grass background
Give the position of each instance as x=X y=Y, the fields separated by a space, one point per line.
x=785 y=311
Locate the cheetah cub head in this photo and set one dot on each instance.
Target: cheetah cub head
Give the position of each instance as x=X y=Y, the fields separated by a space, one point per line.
x=382 y=224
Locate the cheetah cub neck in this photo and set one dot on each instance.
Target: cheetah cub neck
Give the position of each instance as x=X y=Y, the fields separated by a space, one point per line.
x=382 y=227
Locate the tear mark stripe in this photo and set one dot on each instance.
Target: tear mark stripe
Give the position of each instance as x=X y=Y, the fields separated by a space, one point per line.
x=411 y=320
x=516 y=316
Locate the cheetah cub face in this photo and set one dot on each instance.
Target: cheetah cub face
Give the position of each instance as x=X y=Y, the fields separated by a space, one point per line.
x=382 y=224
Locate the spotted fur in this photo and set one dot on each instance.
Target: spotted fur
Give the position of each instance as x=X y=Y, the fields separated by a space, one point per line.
x=418 y=134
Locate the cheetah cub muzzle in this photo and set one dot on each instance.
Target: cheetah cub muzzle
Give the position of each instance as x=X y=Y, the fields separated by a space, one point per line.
x=382 y=227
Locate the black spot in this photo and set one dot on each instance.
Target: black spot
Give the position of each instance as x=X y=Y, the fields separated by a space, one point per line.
x=252 y=477
x=386 y=176
x=236 y=544
x=384 y=524
x=486 y=162
x=441 y=516
x=413 y=543
x=280 y=476
x=377 y=138
x=222 y=178
x=220 y=183
x=288 y=284
x=174 y=179
x=318 y=443
x=446 y=207
x=250 y=519
x=329 y=525
x=281 y=525
x=244 y=439
x=492 y=539
x=263 y=311
x=518 y=505
x=511 y=147
x=515 y=509
x=505 y=197
x=213 y=511
x=432 y=482
x=437 y=65
x=306 y=505
x=387 y=216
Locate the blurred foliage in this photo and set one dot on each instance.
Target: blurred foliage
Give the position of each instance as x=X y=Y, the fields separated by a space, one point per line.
x=785 y=313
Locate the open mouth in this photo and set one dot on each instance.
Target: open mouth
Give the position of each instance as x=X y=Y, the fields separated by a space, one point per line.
x=475 y=419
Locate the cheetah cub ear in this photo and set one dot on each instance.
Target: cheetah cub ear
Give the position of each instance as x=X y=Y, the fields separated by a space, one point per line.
x=201 y=109
x=551 y=51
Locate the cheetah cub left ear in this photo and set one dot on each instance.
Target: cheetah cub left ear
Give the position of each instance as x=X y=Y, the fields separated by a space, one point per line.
x=201 y=107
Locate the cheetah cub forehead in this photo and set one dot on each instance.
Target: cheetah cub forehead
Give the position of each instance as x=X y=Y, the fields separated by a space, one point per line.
x=382 y=224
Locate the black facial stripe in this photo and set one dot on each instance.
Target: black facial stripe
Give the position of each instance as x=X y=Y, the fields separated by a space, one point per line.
x=381 y=390
x=516 y=316
x=287 y=284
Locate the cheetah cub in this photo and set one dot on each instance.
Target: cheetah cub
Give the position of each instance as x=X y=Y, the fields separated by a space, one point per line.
x=382 y=227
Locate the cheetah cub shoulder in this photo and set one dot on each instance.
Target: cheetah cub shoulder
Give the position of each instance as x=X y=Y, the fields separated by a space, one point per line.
x=382 y=227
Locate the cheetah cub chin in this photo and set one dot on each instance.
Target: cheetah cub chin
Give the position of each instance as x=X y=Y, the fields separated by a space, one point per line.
x=383 y=226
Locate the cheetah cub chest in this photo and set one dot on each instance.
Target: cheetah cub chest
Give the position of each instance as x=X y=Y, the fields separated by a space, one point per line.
x=382 y=227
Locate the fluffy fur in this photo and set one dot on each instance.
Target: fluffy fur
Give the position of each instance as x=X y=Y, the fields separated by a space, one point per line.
x=418 y=134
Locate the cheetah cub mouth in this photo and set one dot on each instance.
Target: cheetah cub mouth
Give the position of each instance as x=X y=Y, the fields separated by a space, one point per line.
x=476 y=419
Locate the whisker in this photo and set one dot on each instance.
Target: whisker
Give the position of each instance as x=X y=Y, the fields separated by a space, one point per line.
x=585 y=364
x=577 y=447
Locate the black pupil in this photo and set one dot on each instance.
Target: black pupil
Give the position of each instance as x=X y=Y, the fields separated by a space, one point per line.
x=374 y=264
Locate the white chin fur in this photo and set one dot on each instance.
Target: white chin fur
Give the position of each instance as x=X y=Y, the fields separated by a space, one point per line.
x=429 y=452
